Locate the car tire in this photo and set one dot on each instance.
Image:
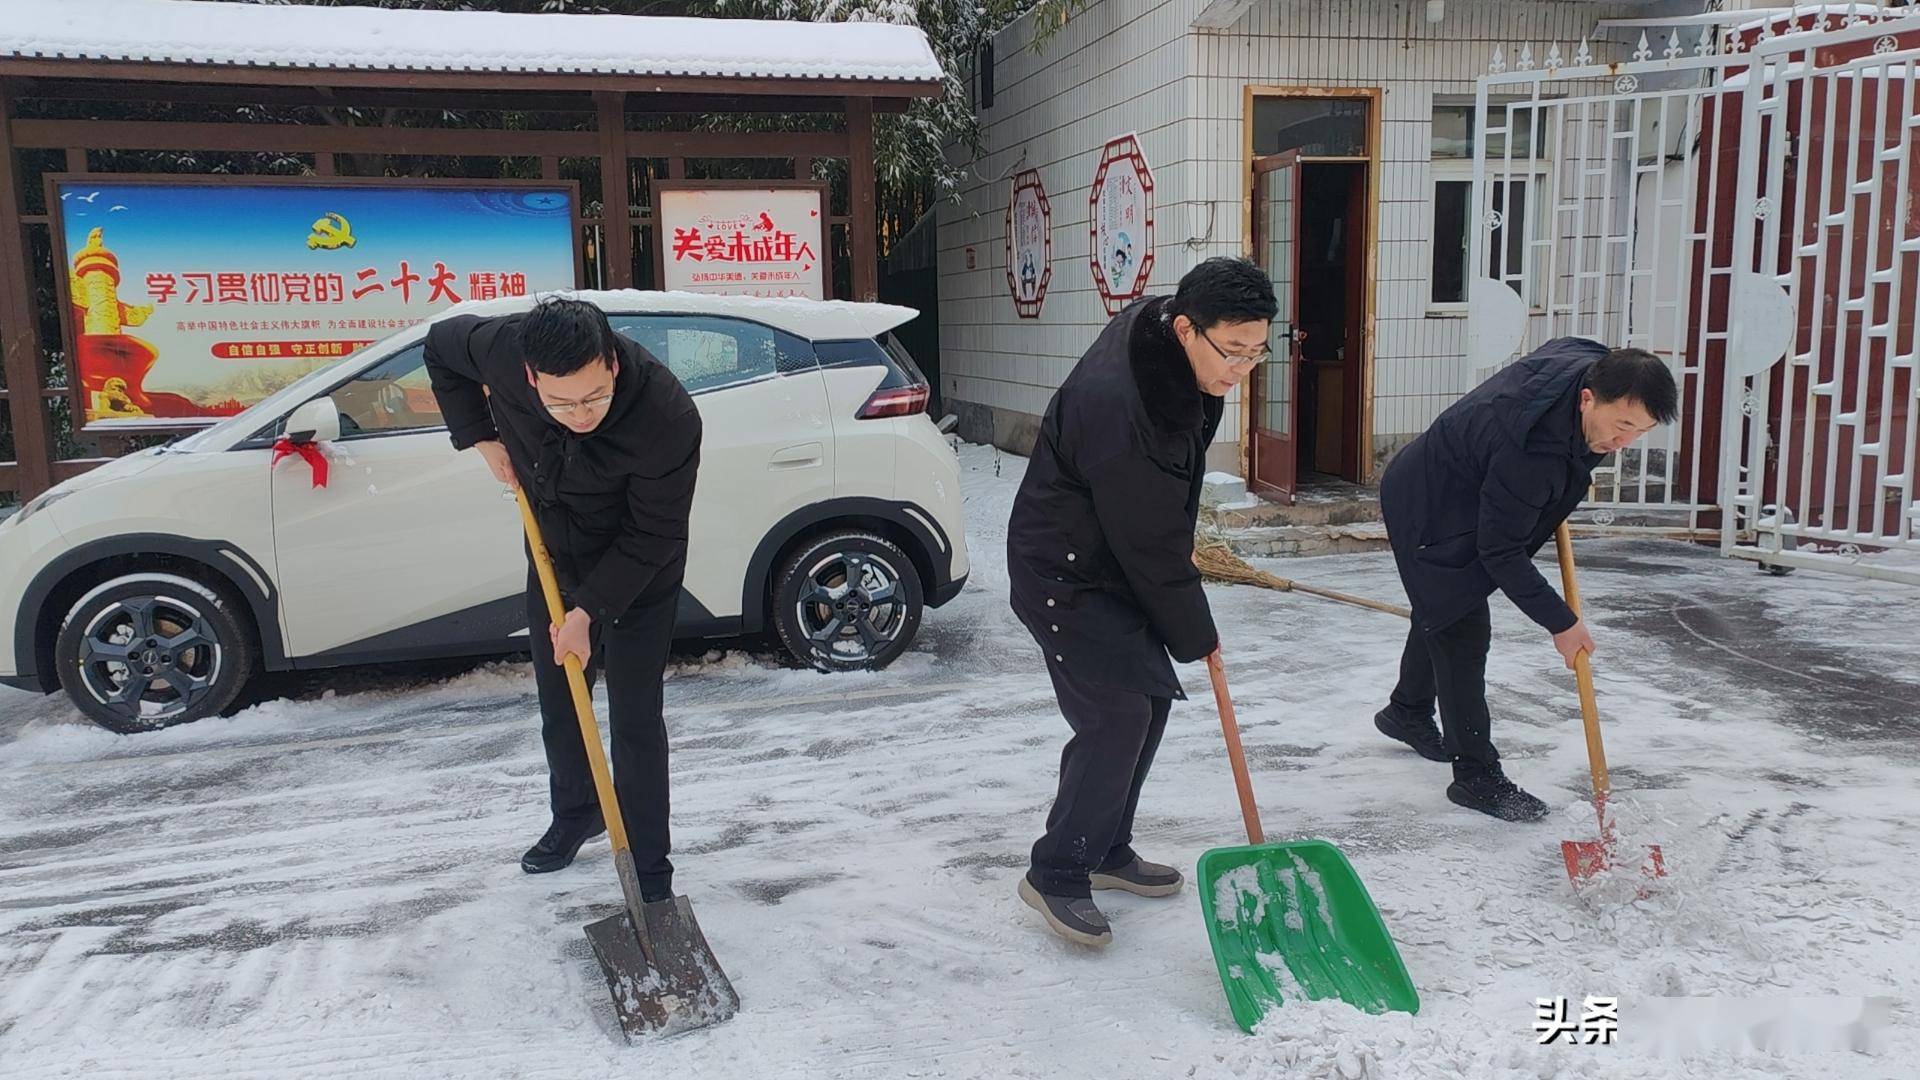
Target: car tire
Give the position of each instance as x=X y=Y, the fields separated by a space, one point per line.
x=826 y=625
x=187 y=647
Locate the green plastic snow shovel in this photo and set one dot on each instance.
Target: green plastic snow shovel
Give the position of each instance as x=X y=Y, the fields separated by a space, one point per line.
x=1291 y=920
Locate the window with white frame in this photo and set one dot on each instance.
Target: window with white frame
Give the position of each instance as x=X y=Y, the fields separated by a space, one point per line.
x=1518 y=191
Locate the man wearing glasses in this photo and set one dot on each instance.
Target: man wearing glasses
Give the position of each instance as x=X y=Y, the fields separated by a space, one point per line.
x=606 y=442
x=1100 y=555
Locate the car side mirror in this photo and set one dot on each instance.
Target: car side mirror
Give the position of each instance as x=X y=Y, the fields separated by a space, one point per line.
x=317 y=421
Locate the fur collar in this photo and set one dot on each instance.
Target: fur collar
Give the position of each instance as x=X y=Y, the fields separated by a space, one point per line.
x=1161 y=372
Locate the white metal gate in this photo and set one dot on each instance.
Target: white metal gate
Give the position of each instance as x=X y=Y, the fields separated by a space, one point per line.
x=1656 y=202
x=1821 y=371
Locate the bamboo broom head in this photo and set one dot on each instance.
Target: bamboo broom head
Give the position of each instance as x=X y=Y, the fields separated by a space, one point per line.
x=1218 y=562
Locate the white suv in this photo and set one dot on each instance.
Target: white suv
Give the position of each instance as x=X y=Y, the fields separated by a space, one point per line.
x=828 y=509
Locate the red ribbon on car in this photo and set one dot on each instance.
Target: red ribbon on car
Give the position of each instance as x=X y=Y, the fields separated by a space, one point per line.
x=315 y=459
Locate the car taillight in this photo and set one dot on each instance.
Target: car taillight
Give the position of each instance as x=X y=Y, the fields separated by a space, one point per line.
x=896 y=401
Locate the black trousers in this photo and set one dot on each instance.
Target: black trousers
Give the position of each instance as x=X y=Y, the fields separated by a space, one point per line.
x=633 y=651
x=1115 y=734
x=1448 y=666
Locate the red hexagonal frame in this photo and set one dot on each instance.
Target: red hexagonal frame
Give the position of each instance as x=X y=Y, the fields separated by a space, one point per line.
x=1125 y=152
x=1025 y=181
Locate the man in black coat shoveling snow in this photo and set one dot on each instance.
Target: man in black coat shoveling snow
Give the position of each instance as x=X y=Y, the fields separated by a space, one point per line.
x=606 y=443
x=1100 y=554
x=1468 y=504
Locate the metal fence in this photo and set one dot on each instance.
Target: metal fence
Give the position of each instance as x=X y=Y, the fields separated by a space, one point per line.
x=1739 y=195
x=1822 y=375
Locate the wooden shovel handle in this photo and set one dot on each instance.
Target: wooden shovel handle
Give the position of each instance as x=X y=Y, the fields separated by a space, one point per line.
x=1217 y=669
x=577 y=681
x=1583 y=674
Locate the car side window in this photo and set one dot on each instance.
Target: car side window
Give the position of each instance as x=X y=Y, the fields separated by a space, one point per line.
x=392 y=395
x=705 y=352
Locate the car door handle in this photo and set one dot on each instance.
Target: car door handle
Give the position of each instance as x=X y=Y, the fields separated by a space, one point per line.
x=804 y=456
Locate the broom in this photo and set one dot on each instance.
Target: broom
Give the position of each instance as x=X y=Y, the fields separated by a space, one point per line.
x=1217 y=562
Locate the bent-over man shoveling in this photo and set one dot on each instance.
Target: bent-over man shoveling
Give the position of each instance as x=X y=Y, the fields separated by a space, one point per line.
x=606 y=443
x=602 y=444
x=1467 y=504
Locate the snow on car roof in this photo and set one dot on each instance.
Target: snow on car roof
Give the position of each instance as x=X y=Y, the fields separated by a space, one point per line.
x=815 y=320
x=298 y=36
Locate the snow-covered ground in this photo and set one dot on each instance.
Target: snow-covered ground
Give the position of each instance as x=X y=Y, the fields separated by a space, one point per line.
x=327 y=885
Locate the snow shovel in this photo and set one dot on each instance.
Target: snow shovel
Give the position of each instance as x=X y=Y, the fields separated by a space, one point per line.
x=1292 y=920
x=1586 y=858
x=658 y=966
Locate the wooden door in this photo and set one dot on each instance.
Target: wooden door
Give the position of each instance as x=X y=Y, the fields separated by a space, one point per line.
x=1273 y=391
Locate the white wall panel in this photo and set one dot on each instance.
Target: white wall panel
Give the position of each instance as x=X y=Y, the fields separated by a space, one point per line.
x=1135 y=65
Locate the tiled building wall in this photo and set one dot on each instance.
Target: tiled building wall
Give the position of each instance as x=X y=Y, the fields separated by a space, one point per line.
x=1419 y=362
x=1118 y=67
x=1136 y=65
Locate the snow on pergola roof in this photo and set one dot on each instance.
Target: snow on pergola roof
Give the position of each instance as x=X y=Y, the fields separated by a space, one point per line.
x=375 y=39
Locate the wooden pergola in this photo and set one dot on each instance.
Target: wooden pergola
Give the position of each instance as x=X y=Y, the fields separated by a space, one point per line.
x=611 y=99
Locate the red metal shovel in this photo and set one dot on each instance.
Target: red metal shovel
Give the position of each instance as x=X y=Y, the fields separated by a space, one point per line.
x=1586 y=858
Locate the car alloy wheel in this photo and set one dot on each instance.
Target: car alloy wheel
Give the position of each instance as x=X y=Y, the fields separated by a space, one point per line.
x=151 y=650
x=847 y=602
x=150 y=658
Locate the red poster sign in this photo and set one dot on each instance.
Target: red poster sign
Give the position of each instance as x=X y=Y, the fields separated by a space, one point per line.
x=743 y=239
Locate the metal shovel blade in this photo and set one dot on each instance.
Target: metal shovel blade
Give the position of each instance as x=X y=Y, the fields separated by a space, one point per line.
x=1587 y=858
x=683 y=990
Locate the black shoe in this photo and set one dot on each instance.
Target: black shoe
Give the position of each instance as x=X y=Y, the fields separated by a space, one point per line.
x=1073 y=918
x=1493 y=794
x=1139 y=877
x=1423 y=735
x=556 y=850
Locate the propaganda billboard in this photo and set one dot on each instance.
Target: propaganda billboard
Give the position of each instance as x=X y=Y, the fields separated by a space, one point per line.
x=189 y=299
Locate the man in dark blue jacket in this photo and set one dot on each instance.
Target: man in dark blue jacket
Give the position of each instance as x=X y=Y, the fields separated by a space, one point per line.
x=1467 y=505
x=1100 y=553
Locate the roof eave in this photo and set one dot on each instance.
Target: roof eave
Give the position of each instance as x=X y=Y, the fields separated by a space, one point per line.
x=277 y=75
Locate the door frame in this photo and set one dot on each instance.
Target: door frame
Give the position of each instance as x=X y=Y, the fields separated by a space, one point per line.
x=1375 y=98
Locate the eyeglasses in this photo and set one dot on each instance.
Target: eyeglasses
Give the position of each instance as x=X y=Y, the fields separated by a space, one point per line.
x=591 y=405
x=1234 y=359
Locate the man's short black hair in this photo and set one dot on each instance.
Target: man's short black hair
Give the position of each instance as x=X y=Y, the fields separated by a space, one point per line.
x=560 y=336
x=1224 y=290
x=1636 y=375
